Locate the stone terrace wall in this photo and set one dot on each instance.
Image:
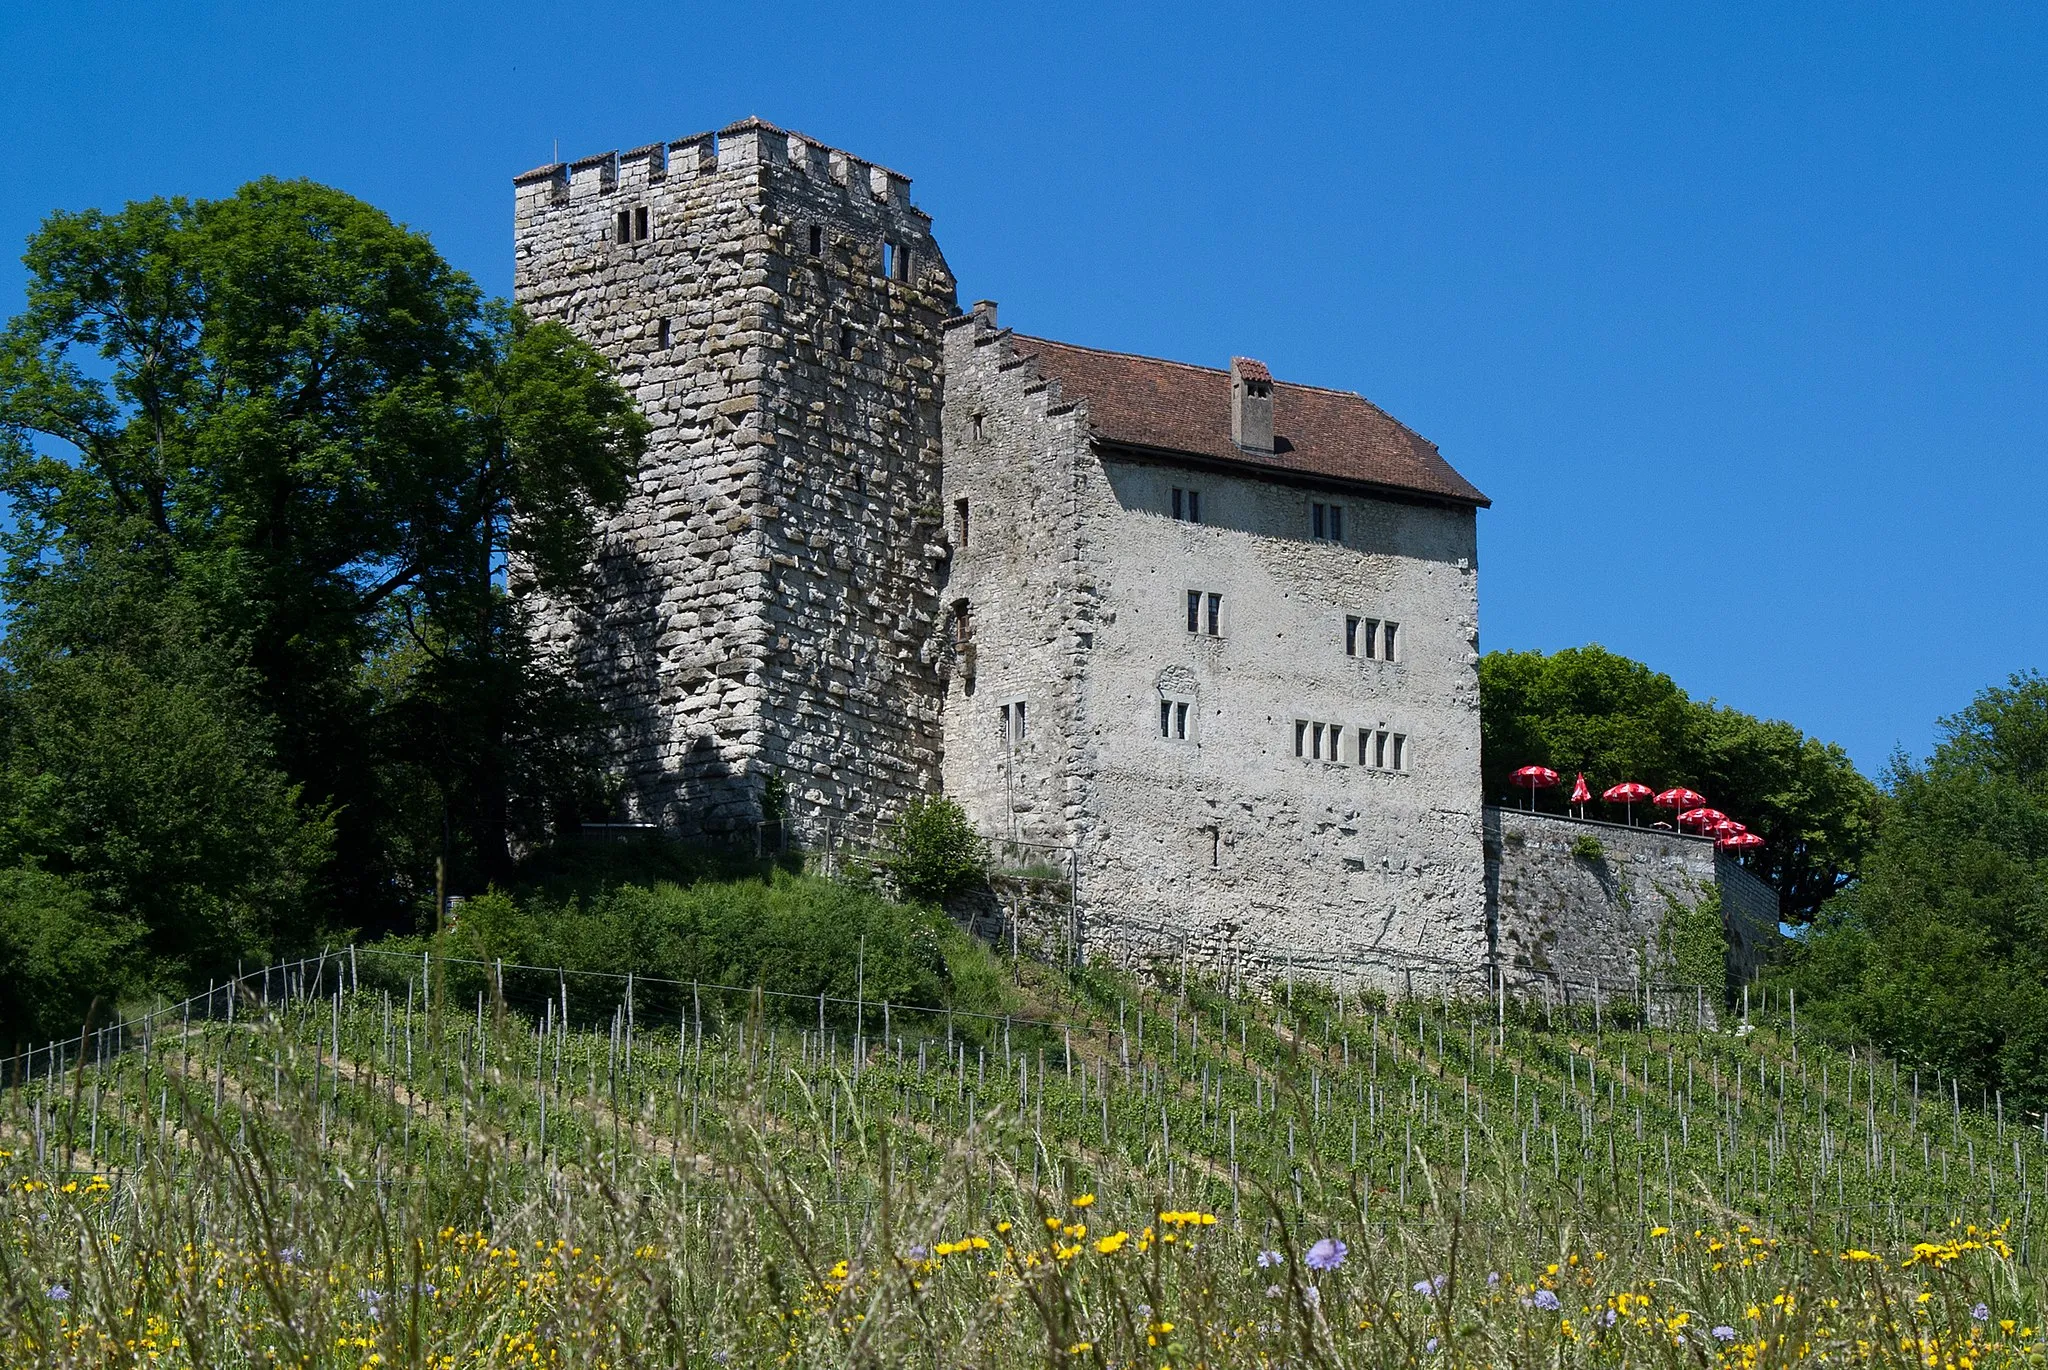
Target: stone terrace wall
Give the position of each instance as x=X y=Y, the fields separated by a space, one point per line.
x=762 y=604
x=1555 y=913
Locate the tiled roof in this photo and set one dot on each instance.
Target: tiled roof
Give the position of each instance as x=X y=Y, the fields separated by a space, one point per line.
x=1173 y=407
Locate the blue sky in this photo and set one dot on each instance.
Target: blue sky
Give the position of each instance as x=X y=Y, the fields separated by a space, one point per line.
x=1736 y=312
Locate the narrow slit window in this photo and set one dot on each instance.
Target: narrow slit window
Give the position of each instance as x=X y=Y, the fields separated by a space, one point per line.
x=1351 y=635
x=1004 y=711
x=817 y=240
x=640 y=224
x=963 y=630
x=625 y=233
x=663 y=335
x=1166 y=718
x=1337 y=743
x=1180 y=722
x=960 y=522
x=1372 y=637
x=1392 y=630
x=1215 y=848
x=1315 y=744
x=1379 y=751
x=1019 y=720
x=846 y=340
x=1194 y=611
x=1215 y=616
x=1300 y=737
x=1179 y=503
x=1400 y=752
x=1315 y=522
x=975 y=423
x=1194 y=506
x=1336 y=523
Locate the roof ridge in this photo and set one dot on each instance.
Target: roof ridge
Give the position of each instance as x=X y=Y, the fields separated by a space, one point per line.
x=1197 y=366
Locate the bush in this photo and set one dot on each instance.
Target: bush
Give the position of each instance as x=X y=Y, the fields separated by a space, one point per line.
x=1695 y=942
x=934 y=854
x=1587 y=848
x=60 y=955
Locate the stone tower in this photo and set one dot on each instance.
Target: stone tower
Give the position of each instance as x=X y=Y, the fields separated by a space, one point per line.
x=765 y=603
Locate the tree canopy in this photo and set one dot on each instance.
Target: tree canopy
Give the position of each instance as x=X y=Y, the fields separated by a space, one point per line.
x=1587 y=709
x=1939 y=953
x=269 y=458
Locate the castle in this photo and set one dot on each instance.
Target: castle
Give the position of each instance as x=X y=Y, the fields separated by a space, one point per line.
x=1212 y=634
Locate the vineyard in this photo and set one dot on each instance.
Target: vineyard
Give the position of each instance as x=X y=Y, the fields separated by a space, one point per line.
x=375 y=1159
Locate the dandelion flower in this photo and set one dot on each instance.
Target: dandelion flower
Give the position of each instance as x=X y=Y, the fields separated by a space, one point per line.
x=1326 y=1254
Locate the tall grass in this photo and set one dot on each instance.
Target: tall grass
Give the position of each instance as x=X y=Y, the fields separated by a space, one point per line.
x=453 y=1165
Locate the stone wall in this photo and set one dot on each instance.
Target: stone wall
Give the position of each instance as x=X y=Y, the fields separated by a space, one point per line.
x=1561 y=908
x=1222 y=845
x=764 y=603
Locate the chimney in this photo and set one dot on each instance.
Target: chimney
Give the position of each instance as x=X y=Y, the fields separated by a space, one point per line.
x=985 y=314
x=1251 y=405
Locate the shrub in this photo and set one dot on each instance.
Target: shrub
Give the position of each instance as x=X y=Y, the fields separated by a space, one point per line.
x=1695 y=943
x=1587 y=848
x=60 y=954
x=933 y=852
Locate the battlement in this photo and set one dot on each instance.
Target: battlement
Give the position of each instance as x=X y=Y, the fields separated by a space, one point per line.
x=736 y=147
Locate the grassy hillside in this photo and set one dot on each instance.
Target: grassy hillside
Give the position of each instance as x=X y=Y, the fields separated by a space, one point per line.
x=390 y=1160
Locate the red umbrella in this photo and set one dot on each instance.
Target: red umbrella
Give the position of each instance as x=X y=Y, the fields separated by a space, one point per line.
x=1728 y=827
x=1702 y=818
x=1629 y=793
x=1679 y=799
x=1536 y=778
x=1739 y=841
x=1581 y=796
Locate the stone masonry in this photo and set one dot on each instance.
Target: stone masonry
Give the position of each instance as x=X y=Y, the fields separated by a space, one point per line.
x=765 y=603
x=1140 y=612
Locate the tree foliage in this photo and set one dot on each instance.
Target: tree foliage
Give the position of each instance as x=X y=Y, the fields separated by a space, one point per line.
x=270 y=459
x=1940 y=951
x=933 y=852
x=1587 y=709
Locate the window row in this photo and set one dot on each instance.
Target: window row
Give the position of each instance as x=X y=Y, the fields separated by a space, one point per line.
x=896 y=257
x=1375 y=749
x=1371 y=638
x=1325 y=520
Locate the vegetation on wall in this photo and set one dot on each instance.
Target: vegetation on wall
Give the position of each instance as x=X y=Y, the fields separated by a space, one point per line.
x=1587 y=709
x=1694 y=942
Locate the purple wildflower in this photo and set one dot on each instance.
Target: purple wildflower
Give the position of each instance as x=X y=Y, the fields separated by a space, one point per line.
x=1724 y=1333
x=59 y=1293
x=1269 y=1259
x=1274 y=1291
x=1326 y=1254
x=1493 y=1279
x=1545 y=1300
x=1982 y=1312
x=1429 y=1348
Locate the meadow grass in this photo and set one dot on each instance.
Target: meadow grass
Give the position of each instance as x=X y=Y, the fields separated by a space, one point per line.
x=397 y=1162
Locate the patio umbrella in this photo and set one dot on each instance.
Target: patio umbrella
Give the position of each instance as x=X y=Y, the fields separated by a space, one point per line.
x=1581 y=796
x=1740 y=841
x=1680 y=799
x=1702 y=818
x=1536 y=778
x=1728 y=827
x=1629 y=793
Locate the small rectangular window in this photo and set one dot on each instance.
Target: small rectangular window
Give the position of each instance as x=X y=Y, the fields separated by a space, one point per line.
x=1379 y=751
x=625 y=234
x=1187 y=505
x=1194 y=506
x=963 y=631
x=1336 y=523
x=664 y=335
x=1371 y=637
x=1337 y=743
x=846 y=340
x=640 y=225
x=1315 y=522
x=817 y=240
x=960 y=522
x=1400 y=749
x=1194 y=611
x=1180 y=722
x=1351 y=635
x=1315 y=744
x=1166 y=718
x=1388 y=653
x=1019 y=718
x=1215 y=616
x=1004 y=711
x=1301 y=737
x=1179 y=503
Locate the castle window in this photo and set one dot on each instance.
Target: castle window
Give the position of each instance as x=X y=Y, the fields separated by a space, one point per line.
x=1369 y=637
x=640 y=225
x=975 y=424
x=625 y=225
x=1387 y=651
x=817 y=240
x=1398 y=752
x=1301 y=737
x=663 y=338
x=1215 y=616
x=1205 y=613
x=1194 y=611
x=1013 y=722
x=895 y=261
x=846 y=340
x=1379 y=750
x=1187 y=505
x=1174 y=716
x=960 y=522
x=963 y=642
x=1166 y=718
x=1351 y=635
x=1336 y=753
x=1326 y=522
x=1315 y=745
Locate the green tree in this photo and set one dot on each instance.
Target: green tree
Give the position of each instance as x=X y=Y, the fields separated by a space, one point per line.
x=933 y=852
x=285 y=414
x=1587 y=709
x=61 y=953
x=1940 y=951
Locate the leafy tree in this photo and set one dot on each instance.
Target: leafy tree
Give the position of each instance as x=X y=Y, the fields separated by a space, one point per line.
x=61 y=954
x=934 y=853
x=1940 y=951
x=285 y=415
x=1587 y=709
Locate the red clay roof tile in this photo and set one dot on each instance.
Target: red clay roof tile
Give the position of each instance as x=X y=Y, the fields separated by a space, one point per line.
x=1174 y=407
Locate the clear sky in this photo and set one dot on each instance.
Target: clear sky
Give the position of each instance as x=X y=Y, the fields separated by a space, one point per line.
x=1737 y=312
